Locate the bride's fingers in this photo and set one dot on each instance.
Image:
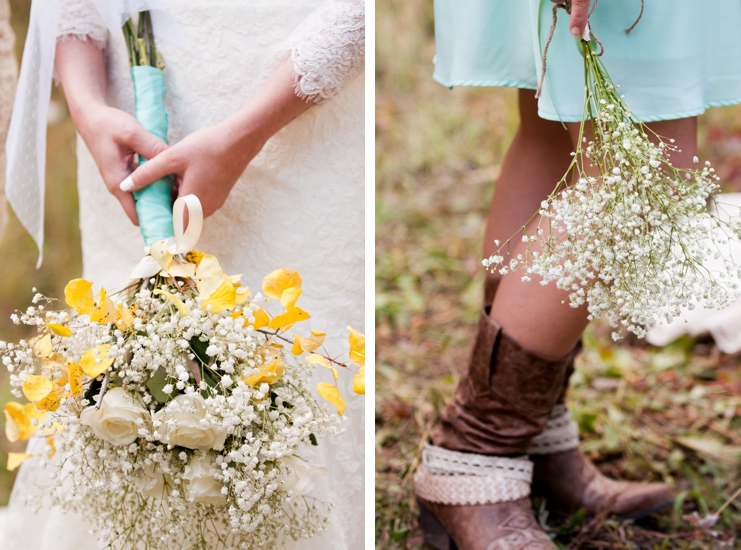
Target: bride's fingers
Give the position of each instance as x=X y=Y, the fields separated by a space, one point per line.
x=160 y=166
x=129 y=205
x=579 y=16
x=144 y=144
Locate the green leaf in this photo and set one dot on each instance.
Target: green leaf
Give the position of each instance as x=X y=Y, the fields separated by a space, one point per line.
x=312 y=438
x=199 y=349
x=157 y=382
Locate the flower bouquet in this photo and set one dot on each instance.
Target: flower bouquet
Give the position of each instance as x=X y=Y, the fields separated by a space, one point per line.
x=626 y=232
x=172 y=412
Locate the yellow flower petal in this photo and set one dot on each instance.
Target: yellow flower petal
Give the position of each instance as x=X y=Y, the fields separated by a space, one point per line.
x=124 y=317
x=357 y=347
x=209 y=276
x=277 y=282
x=179 y=268
x=158 y=250
x=42 y=347
x=194 y=257
x=225 y=297
x=293 y=315
x=36 y=388
x=315 y=359
x=181 y=307
x=308 y=344
x=79 y=295
x=95 y=361
x=16 y=459
x=358 y=382
x=331 y=394
x=290 y=296
x=105 y=312
x=60 y=330
x=74 y=374
x=261 y=319
x=269 y=373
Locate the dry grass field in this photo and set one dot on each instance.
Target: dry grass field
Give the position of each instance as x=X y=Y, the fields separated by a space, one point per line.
x=645 y=413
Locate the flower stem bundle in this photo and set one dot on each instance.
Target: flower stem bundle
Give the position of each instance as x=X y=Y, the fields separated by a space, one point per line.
x=625 y=231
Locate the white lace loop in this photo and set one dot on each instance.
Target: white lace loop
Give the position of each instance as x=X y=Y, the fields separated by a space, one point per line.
x=560 y=434
x=450 y=477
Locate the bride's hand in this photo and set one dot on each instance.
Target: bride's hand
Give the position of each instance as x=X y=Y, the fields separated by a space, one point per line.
x=111 y=135
x=208 y=162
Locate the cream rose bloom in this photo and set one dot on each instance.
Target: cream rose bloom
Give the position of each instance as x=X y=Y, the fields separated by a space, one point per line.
x=202 y=486
x=116 y=420
x=151 y=482
x=299 y=478
x=184 y=424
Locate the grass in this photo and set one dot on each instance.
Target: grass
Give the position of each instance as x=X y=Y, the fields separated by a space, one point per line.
x=645 y=413
x=18 y=254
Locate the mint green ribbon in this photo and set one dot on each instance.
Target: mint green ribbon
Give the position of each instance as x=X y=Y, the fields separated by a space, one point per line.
x=154 y=202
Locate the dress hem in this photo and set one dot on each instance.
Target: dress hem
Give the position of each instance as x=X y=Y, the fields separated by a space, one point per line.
x=555 y=117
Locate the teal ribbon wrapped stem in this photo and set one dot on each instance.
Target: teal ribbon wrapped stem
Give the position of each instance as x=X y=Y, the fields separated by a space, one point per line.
x=154 y=202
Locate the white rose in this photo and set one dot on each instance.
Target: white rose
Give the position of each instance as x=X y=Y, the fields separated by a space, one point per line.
x=184 y=424
x=151 y=481
x=202 y=487
x=298 y=478
x=116 y=420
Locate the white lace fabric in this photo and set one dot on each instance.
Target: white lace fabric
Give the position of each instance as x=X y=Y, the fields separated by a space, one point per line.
x=80 y=19
x=561 y=434
x=298 y=205
x=328 y=50
x=451 y=477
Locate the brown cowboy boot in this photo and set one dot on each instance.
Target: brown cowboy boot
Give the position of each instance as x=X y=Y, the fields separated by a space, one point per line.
x=567 y=479
x=474 y=482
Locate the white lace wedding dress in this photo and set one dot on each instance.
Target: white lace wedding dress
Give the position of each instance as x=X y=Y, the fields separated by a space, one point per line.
x=298 y=205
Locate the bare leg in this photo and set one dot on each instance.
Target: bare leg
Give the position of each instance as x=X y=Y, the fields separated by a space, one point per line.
x=539 y=317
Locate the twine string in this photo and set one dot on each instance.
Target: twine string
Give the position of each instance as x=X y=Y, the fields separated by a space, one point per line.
x=633 y=26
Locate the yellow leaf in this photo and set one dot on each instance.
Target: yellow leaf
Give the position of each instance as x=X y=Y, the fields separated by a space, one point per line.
x=357 y=347
x=225 y=297
x=181 y=307
x=53 y=451
x=179 y=268
x=158 y=250
x=105 y=312
x=194 y=257
x=315 y=359
x=308 y=344
x=290 y=296
x=243 y=294
x=79 y=295
x=124 y=317
x=95 y=361
x=269 y=373
x=42 y=347
x=36 y=388
x=60 y=330
x=358 y=382
x=18 y=421
x=331 y=394
x=74 y=374
x=209 y=276
x=16 y=459
x=293 y=315
x=261 y=319
x=51 y=402
x=277 y=282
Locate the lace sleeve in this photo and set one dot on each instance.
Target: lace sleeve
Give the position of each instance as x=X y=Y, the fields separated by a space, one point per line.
x=80 y=18
x=328 y=49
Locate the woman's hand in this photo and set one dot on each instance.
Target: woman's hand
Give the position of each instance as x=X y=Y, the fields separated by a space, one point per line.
x=112 y=136
x=579 y=15
x=208 y=162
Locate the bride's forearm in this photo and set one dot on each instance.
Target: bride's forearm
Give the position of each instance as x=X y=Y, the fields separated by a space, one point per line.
x=273 y=107
x=82 y=71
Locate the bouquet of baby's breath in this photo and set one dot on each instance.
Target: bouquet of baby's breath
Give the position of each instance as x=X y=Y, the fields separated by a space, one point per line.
x=625 y=231
x=172 y=413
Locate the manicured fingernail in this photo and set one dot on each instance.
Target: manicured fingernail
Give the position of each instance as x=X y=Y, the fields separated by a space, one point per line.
x=127 y=184
x=576 y=31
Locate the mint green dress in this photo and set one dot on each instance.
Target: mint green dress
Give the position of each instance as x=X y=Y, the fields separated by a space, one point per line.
x=682 y=57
